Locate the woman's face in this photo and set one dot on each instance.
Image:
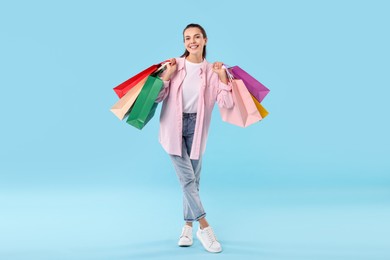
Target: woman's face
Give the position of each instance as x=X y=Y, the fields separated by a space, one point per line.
x=194 y=41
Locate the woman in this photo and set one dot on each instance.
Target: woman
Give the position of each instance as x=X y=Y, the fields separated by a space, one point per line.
x=191 y=88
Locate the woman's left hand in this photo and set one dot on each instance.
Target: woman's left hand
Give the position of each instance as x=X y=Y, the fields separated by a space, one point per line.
x=217 y=68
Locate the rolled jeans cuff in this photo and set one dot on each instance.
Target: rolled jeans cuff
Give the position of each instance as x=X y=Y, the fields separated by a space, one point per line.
x=196 y=219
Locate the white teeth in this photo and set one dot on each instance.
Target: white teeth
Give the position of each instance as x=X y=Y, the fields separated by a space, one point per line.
x=193 y=47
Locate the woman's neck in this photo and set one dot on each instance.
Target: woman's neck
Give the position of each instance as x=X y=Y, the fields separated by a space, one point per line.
x=194 y=58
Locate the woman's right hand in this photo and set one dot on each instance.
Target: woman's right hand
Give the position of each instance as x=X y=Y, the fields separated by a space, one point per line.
x=170 y=70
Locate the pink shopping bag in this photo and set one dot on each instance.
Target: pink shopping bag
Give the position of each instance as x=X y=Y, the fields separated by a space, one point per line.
x=244 y=111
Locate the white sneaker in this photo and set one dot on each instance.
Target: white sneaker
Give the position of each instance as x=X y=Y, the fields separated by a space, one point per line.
x=186 y=236
x=209 y=240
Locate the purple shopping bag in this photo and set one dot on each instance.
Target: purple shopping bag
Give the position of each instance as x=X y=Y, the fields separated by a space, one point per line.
x=258 y=90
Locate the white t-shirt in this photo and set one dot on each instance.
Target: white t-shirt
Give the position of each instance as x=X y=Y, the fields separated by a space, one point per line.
x=191 y=86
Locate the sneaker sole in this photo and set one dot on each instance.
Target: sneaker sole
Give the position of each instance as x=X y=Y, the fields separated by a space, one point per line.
x=184 y=245
x=207 y=249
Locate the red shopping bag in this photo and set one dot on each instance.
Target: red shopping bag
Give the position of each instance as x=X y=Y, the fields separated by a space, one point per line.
x=124 y=87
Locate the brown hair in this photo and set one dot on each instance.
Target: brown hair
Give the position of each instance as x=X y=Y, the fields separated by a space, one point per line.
x=194 y=25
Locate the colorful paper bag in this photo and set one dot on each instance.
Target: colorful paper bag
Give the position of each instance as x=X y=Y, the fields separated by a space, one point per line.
x=124 y=87
x=263 y=112
x=122 y=107
x=258 y=90
x=145 y=106
x=244 y=111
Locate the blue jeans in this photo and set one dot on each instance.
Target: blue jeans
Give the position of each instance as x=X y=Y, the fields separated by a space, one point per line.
x=188 y=172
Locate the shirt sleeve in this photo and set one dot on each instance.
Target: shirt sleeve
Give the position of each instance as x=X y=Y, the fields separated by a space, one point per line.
x=164 y=90
x=224 y=94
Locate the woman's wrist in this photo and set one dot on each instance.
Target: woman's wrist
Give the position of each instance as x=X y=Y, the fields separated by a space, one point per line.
x=223 y=77
x=166 y=77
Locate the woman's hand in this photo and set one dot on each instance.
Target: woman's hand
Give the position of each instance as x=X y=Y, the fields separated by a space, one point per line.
x=170 y=70
x=217 y=68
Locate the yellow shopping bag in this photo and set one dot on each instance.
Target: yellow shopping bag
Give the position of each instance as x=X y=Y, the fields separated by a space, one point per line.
x=262 y=110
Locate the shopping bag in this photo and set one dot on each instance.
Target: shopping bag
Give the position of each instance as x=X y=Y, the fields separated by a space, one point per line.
x=144 y=107
x=263 y=112
x=125 y=86
x=122 y=107
x=258 y=90
x=244 y=111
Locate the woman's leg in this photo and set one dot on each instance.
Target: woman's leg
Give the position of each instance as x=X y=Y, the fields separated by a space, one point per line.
x=188 y=172
x=192 y=205
x=203 y=223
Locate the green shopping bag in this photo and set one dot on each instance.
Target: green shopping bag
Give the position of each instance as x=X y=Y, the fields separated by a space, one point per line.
x=144 y=107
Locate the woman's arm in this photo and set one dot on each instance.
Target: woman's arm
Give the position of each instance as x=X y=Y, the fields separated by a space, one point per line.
x=166 y=77
x=163 y=92
x=224 y=90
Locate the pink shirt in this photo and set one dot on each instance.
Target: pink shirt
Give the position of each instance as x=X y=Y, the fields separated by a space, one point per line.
x=171 y=118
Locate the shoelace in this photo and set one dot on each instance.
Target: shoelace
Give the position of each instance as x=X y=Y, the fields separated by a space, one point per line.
x=211 y=235
x=187 y=232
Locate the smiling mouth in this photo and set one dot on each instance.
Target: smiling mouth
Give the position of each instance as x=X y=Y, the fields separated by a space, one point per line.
x=193 y=47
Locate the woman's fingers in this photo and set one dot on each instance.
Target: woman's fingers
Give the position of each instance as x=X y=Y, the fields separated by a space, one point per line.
x=218 y=65
x=171 y=68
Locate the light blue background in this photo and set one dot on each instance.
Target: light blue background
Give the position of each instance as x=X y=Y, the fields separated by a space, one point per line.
x=311 y=181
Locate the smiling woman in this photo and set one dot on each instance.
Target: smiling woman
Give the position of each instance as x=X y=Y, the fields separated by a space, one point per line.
x=199 y=41
x=191 y=88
